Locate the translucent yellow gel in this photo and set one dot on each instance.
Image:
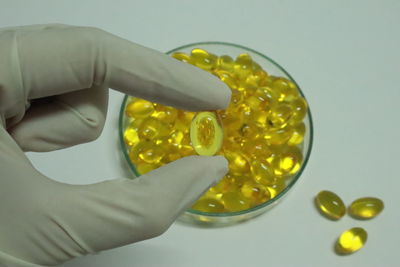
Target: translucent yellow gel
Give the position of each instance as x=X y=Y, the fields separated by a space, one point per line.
x=206 y=133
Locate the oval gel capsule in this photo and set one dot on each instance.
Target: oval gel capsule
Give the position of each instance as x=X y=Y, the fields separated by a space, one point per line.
x=351 y=240
x=366 y=208
x=330 y=205
x=206 y=133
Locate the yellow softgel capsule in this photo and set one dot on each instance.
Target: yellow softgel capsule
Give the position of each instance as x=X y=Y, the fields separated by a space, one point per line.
x=181 y=56
x=256 y=192
x=299 y=106
x=165 y=114
x=243 y=66
x=278 y=136
x=208 y=205
x=202 y=59
x=366 y=207
x=330 y=205
x=253 y=80
x=280 y=116
x=231 y=122
x=150 y=153
x=227 y=78
x=175 y=138
x=186 y=148
x=297 y=135
x=261 y=74
x=131 y=137
x=261 y=118
x=254 y=102
x=206 y=133
x=250 y=131
x=227 y=184
x=351 y=240
x=186 y=117
x=268 y=96
x=236 y=98
x=139 y=108
x=262 y=172
x=225 y=62
x=287 y=161
x=238 y=164
x=182 y=123
x=276 y=188
x=235 y=201
x=286 y=89
x=152 y=128
x=258 y=149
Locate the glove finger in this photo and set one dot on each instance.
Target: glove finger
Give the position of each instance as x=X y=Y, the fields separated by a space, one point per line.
x=62 y=121
x=56 y=60
x=119 y=212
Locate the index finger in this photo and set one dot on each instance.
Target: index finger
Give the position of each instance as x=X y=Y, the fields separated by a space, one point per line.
x=55 y=59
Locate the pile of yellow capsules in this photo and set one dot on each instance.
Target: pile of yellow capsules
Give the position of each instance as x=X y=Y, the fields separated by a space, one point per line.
x=260 y=133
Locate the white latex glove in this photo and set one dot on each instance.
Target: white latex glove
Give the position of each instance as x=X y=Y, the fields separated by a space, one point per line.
x=54 y=81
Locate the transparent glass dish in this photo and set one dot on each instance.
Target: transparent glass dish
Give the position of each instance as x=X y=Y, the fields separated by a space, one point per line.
x=228 y=218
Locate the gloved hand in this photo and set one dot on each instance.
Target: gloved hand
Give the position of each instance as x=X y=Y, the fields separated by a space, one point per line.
x=54 y=81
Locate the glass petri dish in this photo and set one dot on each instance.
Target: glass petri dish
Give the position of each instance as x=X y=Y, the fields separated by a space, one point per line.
x=273 y=68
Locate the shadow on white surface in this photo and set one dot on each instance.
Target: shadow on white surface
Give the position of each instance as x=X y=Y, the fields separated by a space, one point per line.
x=133 y=255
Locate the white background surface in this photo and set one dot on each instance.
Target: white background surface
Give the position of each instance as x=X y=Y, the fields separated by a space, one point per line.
x=345 y=57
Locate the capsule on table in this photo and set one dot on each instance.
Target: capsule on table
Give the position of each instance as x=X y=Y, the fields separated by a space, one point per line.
x=351 y=240
x=366 y=208
x=330 y=205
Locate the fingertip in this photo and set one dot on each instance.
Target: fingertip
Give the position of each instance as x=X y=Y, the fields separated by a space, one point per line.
x=202 y=90
x=217 y=164
x=221 y=93
x=225 y=95
x=221 y=162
